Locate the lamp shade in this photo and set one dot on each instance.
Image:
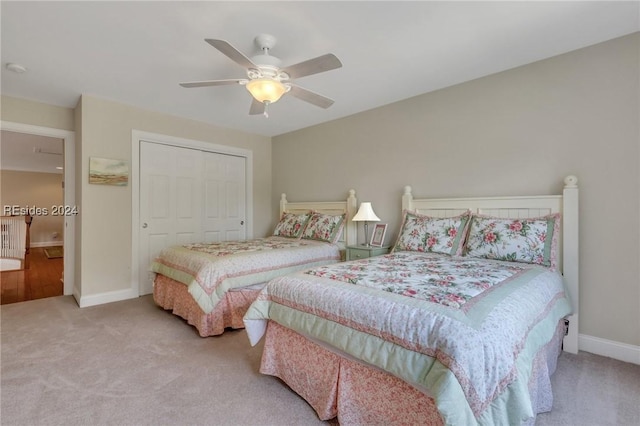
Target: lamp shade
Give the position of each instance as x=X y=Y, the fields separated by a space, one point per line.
x=266 y=89
x=365 y=214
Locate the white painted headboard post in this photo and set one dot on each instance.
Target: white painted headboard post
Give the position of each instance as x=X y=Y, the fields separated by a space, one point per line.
x=570 y=257
x=407 y=199
x=523 y=207
x=283 y=204
x=350 y=227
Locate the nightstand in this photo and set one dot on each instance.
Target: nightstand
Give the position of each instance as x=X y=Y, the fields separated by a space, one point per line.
x=363 y=252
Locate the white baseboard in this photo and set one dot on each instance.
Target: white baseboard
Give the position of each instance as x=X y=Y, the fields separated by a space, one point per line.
x=101 y=298
x=609 y=348
x=47 y=243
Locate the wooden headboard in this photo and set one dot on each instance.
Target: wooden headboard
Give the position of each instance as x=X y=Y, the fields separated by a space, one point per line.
x=348 y=206
x=520 y=207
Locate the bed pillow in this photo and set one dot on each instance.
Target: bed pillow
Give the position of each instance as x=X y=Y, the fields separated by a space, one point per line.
x=432 y=234
x=324 y=227
x=531 y=240
x=291 y=225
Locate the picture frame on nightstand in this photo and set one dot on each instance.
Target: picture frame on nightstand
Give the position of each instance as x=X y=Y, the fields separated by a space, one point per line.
x=377 y=237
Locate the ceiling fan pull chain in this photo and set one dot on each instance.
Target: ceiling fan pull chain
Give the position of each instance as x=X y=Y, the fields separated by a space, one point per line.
x=265 y=113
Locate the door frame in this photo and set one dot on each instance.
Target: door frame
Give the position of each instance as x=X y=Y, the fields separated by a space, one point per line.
x=69 y=191
x=138 y=136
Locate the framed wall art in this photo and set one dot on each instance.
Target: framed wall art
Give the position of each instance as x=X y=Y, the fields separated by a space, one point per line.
x=106 y=171
x=377 y=237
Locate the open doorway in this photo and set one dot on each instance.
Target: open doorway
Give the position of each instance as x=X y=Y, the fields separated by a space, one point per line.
x=37 y=183
x=32 y=168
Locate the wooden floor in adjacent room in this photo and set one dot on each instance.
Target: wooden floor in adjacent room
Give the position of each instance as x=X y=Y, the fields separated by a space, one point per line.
x=43 y=278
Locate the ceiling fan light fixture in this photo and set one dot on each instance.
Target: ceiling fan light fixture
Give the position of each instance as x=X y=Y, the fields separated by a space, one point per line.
x=266 y=89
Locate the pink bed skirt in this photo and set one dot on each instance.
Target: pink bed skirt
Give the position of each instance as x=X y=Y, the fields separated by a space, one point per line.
x=358 y=394
x=173 y=295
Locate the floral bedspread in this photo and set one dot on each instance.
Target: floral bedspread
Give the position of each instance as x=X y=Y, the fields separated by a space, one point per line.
x=450 y=281
x=210 y=270
x=466 y=334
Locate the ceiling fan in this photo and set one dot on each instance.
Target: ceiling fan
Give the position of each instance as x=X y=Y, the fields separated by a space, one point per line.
x=266 y=81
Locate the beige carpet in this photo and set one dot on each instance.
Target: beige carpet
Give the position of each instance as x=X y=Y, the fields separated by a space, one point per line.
x=131 y=363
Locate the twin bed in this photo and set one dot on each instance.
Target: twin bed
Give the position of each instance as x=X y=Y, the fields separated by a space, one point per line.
x=461 y=324
x=212 y=285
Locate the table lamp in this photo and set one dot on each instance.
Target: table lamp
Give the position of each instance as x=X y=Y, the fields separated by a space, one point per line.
x=365 y=214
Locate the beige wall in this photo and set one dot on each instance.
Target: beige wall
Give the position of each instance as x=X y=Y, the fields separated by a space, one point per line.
x=106 y=218
x=40 y=191
x=103 y=238
x=517 y=132
x=37 y=114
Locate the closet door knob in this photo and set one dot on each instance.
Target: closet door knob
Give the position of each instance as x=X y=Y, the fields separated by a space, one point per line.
x=144 y=225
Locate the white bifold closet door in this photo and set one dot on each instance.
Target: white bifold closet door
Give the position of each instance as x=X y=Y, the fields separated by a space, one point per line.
x=187 y=196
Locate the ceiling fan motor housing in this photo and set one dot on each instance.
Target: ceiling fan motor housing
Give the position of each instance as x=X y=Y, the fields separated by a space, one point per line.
x=265 y=41
x=268 y=65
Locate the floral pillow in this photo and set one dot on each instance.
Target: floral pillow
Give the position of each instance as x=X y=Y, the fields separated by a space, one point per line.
x=532 y=240
x=291 y=225
x=432 y=234
x=324 y=227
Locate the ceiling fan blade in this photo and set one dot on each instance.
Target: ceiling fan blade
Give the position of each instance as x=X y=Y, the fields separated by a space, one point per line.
x=231 y=52
x=317 y=65
x=311 y=97
x=257 y=107
x=212 y=83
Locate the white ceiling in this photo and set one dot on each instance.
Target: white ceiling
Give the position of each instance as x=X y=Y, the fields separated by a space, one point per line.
x=31 y=153
x=137 y=52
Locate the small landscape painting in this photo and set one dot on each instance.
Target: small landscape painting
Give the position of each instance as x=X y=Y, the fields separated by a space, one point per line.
x=105 y=171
